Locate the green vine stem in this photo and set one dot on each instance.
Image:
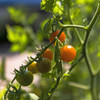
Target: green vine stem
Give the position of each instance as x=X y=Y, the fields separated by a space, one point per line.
x=92 y=23
x=75 y=29
x=72 y=26
x=50 y=93
x=75 y=63
x=59 y=78
x=9 y=87
x=86 y=55
x=78 y=85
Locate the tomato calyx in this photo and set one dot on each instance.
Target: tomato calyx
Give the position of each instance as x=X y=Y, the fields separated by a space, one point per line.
x=24 y=77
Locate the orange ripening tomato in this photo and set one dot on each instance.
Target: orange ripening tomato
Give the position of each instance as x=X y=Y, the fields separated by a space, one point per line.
x=67 y=53
x=32 y=67
x=61 y=37
x=47 y=54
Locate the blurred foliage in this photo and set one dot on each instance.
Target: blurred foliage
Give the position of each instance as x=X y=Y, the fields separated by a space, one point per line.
x=19 y=16
x=21 y=36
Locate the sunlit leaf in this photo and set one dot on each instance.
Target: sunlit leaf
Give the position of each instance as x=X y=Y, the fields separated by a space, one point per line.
x=22 y=38
x=47 y=5
x=2 y=92
x=58 y=9
x=66 y=75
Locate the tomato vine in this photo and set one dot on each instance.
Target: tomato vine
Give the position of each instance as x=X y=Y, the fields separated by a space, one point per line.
x=84 y=54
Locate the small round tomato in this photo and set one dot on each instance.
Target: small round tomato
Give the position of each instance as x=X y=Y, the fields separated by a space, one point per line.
x=13 y=96
x=67 y=53
x=61 y=37
x=44 y=65
x=32 y=67
x=47 y=54
x=24 y=78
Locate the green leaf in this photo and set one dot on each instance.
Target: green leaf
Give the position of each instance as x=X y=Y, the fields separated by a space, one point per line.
x=47 y=5
x=57 y=52
x=84 y=1
x=66 y=3
x=2 y=92
x=57 y=58
x=17 y=15
x=32 y=18
x=47 y=25
x=20 y=37
x=66 y=74
x=16 y=34
x=58 y=8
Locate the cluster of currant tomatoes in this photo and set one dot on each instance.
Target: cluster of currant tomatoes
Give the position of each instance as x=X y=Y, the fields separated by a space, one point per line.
x=67 y=54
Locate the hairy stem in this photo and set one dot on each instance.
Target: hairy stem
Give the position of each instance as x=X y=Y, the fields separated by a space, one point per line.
x=9 y=87
x=86 y=55
x=92 y=23
x=50 y=93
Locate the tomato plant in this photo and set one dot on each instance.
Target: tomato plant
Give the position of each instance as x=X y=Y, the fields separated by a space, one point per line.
x=54 y=34
x=67 y=53
x=63 y=15
x=44 y=65
x=32 y=67
x=47 y=54
x=24 y=78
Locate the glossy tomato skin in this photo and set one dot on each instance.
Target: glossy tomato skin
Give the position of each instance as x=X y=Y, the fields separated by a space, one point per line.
x=67 y=53
x=32 y=67
x=62 y=36
x=47 y=54
x=24 y=78
x=44 y=65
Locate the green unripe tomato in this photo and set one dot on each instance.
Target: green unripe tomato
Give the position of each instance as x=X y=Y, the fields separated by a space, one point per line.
x=24 y=78
x=13 y=96
x=44 y=65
